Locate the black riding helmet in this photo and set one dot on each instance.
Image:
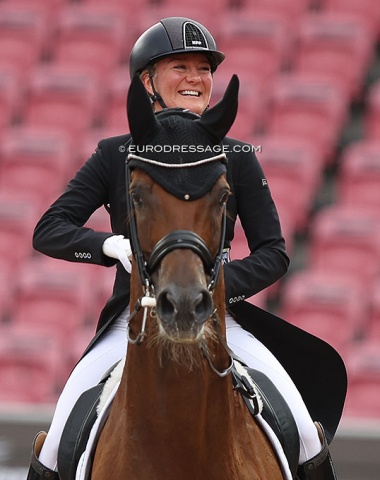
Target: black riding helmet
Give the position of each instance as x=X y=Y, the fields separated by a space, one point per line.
x=173 y=35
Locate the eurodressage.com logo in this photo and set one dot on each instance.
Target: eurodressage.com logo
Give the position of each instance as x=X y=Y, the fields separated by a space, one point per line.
x=214 y=149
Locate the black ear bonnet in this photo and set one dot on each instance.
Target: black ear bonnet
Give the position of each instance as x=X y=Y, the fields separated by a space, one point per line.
x=164 y=141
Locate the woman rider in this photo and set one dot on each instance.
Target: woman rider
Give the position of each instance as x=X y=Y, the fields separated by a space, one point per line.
x=176 y=60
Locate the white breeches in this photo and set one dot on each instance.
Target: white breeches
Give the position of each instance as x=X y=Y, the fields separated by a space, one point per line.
x=111 y=347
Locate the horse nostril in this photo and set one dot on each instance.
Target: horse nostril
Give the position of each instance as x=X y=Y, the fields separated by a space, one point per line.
x=165 y=306
x=203 y=307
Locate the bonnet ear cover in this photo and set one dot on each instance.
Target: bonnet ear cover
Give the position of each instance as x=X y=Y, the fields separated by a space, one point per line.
x=219 y=119
x=141 y=118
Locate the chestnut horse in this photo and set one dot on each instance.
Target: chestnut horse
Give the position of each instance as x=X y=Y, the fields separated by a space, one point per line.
x=176 y=415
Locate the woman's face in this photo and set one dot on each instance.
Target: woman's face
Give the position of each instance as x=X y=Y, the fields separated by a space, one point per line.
x=183 y=81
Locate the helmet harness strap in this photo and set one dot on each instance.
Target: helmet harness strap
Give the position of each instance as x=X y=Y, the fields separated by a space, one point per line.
x=156 y=97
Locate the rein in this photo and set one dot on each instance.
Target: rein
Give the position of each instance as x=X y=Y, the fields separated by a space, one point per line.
x=178 y=239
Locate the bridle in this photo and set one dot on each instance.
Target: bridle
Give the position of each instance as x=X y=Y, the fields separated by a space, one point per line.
x=178 y=239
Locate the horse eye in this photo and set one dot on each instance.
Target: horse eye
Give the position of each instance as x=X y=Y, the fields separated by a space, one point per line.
x=136 y=199
x=224 y=198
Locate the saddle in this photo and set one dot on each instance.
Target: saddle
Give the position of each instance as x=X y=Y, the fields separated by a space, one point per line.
x=259 y=394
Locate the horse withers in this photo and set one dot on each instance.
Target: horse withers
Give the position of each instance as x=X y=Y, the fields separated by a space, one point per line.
x=176 y=414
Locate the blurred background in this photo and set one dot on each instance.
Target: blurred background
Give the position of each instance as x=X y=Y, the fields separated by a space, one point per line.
x=309 y=103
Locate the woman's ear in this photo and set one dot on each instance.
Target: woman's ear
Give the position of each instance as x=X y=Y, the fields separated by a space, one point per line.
x=147 y=82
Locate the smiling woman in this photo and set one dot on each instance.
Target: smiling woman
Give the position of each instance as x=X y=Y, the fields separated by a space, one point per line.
x=181 y=79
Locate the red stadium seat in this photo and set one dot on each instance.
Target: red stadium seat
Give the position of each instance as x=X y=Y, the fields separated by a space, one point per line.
x=207 y=13
x=291 y=11
x=30 y=366
x=17 y=219
x=366 y=10
x=359 y=176
x=372 y=113
x=63 y=99
x=23 y=35
x=261 y=43
x=53 y=294
x=307 y=106
x=363 y=366
x=48 y=7
x=326 y=304
x=346 y=240
x=90 y=36
x=331 y=43
x=36 y=163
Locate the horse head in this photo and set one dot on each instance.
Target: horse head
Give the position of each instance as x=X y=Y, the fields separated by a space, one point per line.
x=177 y=196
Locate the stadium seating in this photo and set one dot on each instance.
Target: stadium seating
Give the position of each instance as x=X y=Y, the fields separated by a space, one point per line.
x=346 y=240
x=54 y=294
x=23 y=34
x=30 y=365
x=35 y=163
x=49 y=7
x=331 y=43
x=260 y=44
x=207 y=13
x=291 y=11
x=90 y=36
x=62 y=98
x=363 y=365
x=17 y=219
x=326 y=304
x=306 y=106
x=365 y=10
x=359 y=176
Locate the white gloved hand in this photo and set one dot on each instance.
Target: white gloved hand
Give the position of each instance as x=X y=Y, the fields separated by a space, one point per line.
x=120 y=248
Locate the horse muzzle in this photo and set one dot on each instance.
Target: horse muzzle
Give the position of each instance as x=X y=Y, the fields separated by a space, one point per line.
x=183 y=312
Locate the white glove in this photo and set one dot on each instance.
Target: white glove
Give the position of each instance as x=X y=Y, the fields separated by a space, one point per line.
x=120 y=248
